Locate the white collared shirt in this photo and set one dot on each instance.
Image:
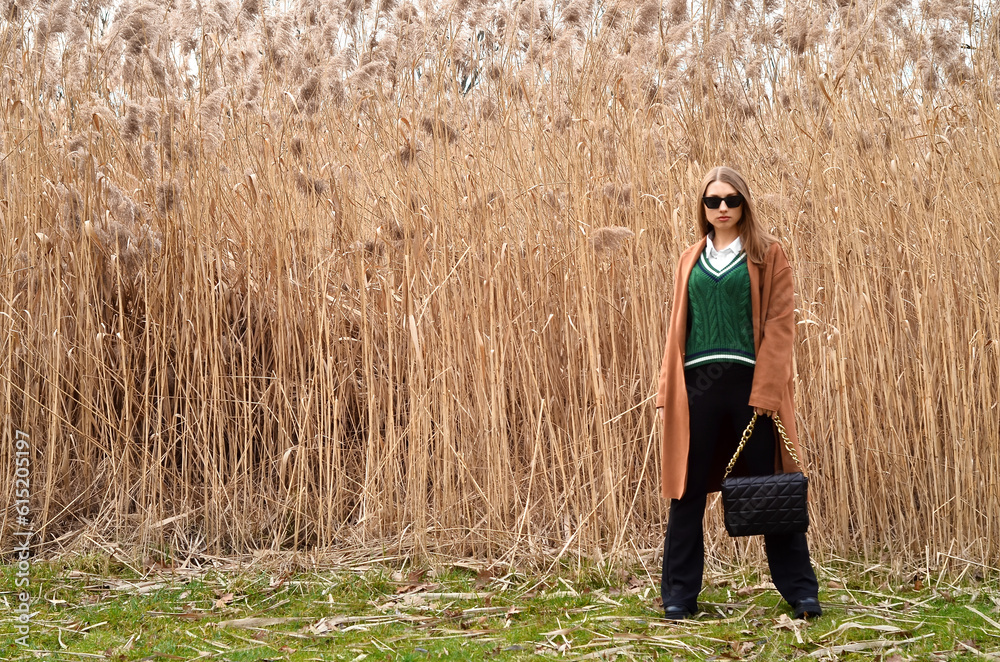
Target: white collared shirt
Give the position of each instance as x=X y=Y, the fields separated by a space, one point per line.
x=719 y=259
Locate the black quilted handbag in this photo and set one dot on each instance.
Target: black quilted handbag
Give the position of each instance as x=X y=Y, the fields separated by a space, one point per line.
x=758 y=505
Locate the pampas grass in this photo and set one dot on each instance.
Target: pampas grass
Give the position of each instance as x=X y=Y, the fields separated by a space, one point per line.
x=380 y=273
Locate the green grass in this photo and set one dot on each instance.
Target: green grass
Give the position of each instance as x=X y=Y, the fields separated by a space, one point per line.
x=95 y=608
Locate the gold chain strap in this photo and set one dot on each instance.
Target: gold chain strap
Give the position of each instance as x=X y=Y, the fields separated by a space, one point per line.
x=746 y=438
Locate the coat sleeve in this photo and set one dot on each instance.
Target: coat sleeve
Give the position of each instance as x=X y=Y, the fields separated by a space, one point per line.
x=774 y=356
x=661 y=387
x=661 y=390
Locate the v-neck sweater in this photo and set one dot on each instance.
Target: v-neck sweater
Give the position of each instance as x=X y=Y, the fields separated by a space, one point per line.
x=720 y=314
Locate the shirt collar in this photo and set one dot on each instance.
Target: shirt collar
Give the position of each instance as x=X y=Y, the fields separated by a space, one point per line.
x=732 y=249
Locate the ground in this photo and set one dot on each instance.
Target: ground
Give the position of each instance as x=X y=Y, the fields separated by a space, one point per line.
x=94 y=607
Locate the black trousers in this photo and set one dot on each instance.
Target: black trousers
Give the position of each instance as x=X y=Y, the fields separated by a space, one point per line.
x=717 y=401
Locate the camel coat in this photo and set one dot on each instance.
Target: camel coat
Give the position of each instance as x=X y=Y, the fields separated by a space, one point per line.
x=772 y=299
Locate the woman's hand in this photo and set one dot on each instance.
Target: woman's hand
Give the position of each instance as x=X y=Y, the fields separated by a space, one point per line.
x=765 y=412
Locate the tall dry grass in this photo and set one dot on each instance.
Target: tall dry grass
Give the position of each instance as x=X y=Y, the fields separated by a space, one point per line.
x=347 y=274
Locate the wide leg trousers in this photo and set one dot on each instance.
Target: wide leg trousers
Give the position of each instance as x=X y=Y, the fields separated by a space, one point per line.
x=717 y=401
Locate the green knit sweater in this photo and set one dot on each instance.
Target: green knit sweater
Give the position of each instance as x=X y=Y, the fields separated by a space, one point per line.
x=720 y=314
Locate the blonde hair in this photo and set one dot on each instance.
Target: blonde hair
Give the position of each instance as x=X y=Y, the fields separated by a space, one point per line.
x=756 y=240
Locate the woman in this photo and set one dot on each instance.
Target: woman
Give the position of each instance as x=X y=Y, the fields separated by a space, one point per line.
x=728 y=354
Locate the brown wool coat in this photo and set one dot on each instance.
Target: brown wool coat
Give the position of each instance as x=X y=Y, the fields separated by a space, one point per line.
x=772 y=298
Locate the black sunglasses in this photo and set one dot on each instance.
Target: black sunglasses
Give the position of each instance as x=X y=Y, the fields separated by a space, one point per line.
x=732 y=201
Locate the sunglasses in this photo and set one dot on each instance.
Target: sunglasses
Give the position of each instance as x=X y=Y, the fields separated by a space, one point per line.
x=732 y=201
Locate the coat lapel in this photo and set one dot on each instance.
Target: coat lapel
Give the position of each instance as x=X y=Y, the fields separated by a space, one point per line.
x=754 y=271
x=684 y=274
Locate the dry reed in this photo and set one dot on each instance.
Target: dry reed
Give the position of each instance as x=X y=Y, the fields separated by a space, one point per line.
x=373 y=272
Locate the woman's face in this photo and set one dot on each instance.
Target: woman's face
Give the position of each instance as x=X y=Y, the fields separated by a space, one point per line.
x=723 y=218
